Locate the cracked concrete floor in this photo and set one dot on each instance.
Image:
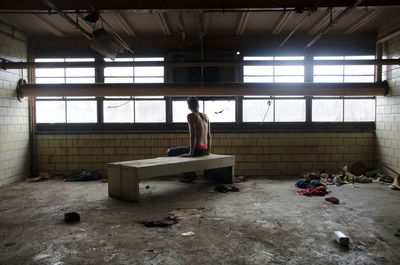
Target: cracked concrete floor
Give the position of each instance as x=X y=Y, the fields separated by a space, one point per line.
x=265 y=223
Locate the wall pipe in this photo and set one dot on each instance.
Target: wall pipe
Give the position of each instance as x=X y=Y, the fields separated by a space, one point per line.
x=208 y=89
x=31 y=65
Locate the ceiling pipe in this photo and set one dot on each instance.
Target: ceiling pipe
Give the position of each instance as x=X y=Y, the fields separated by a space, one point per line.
x=333 y=22
x=208 y=89
x=32 y=65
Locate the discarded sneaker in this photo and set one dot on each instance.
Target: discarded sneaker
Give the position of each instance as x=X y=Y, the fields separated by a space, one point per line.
x=167 y=221
x=72 y=217
x=225 y=188
x=188 y=177
x=333 y=200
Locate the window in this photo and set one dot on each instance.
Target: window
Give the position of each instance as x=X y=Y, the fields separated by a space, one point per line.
x=273 y=73
x=344 y=73
x=149 y=109
x=65 y=109
x=217 y=110
x=343 y=109
x=274 y=109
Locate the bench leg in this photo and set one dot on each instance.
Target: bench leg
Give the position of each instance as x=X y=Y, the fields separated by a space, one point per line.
x=223 y=175
x=129 y=185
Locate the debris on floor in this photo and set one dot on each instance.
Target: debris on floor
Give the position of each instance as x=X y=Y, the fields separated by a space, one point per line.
x=188 y=177
x=42 y=177
x=84 y=175
x=333 y=200
x=167 y=221
x=305 y=183
x=313 y=192
x=190 y=233
x=226 y=188
x=341 y=238
x=239 y=179
x=397 y=233
x=10 y=244
x=187 y=213
x=72 y=217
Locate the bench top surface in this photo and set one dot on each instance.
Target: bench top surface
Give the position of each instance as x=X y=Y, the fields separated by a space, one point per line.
x=168 y=160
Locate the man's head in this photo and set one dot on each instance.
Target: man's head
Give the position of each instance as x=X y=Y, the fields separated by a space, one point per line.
x=193 y=103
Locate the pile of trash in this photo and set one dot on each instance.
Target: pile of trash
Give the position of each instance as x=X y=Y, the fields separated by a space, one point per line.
x=357 y=173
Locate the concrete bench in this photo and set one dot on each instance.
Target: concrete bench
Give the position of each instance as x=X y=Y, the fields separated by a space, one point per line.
x=124 y=177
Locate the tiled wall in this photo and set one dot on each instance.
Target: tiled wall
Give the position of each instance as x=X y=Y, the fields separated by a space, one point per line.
x=14 y=119
x=388 y=110
x=257 y=154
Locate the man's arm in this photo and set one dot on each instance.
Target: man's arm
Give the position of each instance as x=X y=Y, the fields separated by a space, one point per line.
x=209 y=136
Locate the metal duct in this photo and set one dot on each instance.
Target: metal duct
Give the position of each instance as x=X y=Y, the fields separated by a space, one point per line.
x=210 y=89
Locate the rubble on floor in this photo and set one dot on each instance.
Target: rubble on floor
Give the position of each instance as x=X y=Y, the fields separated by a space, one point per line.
x=43 y=176
x=84 y=175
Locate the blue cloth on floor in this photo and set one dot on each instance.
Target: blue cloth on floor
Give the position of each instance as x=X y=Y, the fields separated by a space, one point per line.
x=303 y=183
x=316 y=183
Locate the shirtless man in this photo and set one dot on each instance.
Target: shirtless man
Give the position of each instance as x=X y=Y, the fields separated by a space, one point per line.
x=200 y=135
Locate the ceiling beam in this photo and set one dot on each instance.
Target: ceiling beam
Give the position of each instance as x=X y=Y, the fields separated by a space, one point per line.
x=362 y=21
x=241 y=26
x=81 y=21
x=125 y=24
x=333 y=23
x=181 y=25
x=324 y=20
x=163 y=24
x=281 y=22
x=100 y=5
x=45 y=24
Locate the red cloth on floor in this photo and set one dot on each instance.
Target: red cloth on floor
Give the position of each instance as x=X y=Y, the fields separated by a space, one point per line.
x=333 y=200
x=312 y=192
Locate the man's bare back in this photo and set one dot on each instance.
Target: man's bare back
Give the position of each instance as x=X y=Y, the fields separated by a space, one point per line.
x=199 y=129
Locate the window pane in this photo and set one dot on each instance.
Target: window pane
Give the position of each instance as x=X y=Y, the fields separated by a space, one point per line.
x=327 y=110
x=258 y=110
x=359 y=110
x=289 y=70
x=150 y=111
x=258 y=58
x=328 y=79
x=118 y=111
x=258 y=70
x=85 y=72
x=359 y=70
x=359 y=79
x=43 y=80
x=328 y=58
x=49 y=60
x=49 y=72
x=118 y=80
x=87 y=80
x=259 y=79
x=50 y=112
x=118 y=71
x=149 y=79
x=290 y=110
x=328 y=70
x=289 y=79
x=81 y=111
x=149 y=59
x=149 y=71
x=220 y=110
x=180 y=110
x=281 y=58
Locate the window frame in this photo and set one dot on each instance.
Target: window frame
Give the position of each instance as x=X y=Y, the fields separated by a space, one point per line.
x=169 y=126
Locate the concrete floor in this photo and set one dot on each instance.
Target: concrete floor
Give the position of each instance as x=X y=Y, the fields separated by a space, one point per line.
x=265 y=223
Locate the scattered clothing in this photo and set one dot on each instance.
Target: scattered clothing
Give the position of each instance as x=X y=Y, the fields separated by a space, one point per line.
x=167 y=221
x=72 y=217
x=333 y=200
x=315 y=191
x=42 y=177
x=84 y=175
x=224 y=189
x=239 y=179
x=305 y=183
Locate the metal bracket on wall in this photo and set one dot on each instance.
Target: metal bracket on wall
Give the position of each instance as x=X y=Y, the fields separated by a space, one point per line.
x=21 y=82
